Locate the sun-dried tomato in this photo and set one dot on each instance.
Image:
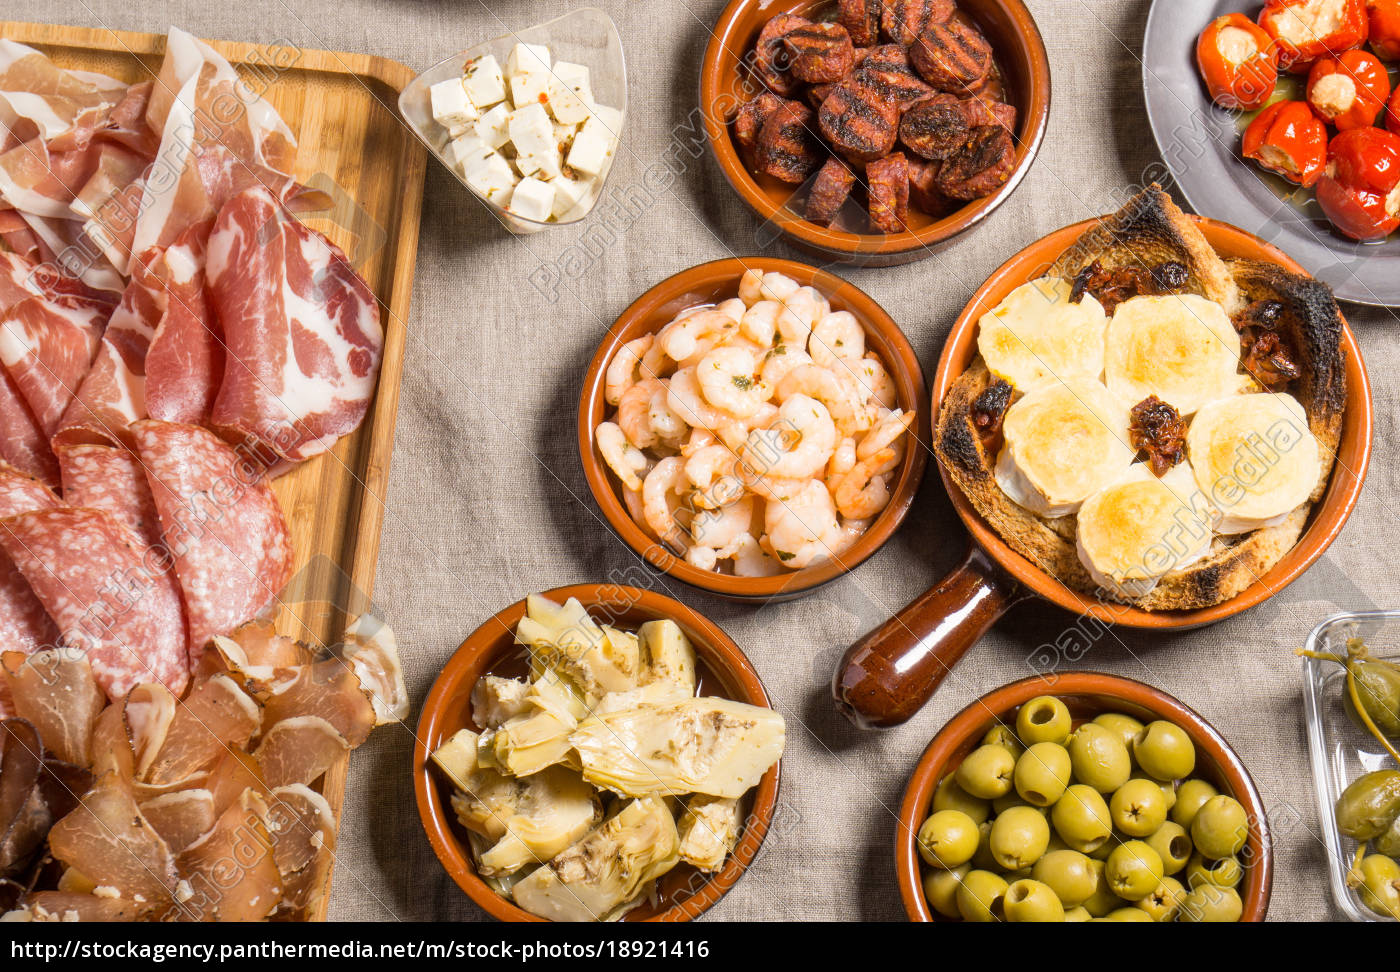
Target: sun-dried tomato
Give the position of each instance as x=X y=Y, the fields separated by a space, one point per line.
x=989 y=409
x=1157 y=429
x=1269 y=360
x=1112 y=287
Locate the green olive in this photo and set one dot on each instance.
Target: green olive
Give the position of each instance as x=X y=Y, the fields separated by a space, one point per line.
x=1028 y=900
x=1379 y=879
x=986 y=772
x=1223 y=873
x=1133 y=870
x=1165 y=751
x=1077 y=914
x=1168 y=787
x=1221 y=827
x=1369 y=805
x=1388 y=843
x=1125 y=725
x=1004 y=736
x=1138 y=808
x=1043 y=719
x=950 y=796
x=941 y=889
x=1099 y=758
x=1082 y=819
x=1103 y=900
x=1378 y=687
x=1019 y=837
x=1211 y=903
x=1069 y=874
x=947 y=838
x=1042 y=773
x=1101 y=852
x=1129 y=914
x=1173 y=846
x=1165 y=900
x=1004 y=803
x=1190 y=797
x=982 y=896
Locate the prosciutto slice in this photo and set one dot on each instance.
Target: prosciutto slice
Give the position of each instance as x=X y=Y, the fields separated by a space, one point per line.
x=220 y=522
x=47 y=346
x=24 y=624
x=22 y=443
x=106 y=602
x=300 y=326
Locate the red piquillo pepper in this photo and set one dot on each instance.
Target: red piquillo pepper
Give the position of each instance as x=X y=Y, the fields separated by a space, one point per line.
x=1349 y=91
x=1237 y=61
x=1392 y=112
x=1360 y=192
x=1384 y=28
x=1289 y=139
x=1308 y=29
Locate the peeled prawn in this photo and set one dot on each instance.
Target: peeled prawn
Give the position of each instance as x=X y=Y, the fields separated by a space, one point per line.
x=803 y=529
x=661 y=496
x=780 y=361
x=842 y=460
x=686 y=400
x=734 y=308
x=838 y=391
x=634 y=412
x=863 y=492
x=888 y=432
x=622 y=370
x=760 y=322
x=728 y=380
x=749 y=558
x=694 y=334
x=801 y=311
x=879 y=387
x=837 y=337
x=623 y=458
x=669 y=427
x=717 y=528
x=711 y=471
x=797 y=444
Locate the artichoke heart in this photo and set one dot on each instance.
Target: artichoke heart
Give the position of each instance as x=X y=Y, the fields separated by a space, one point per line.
x=606 y=869
x=670 y=659
x=537 y=738
x=709 y=829
x=701 y=745
x=596 y=658
x=496 y=700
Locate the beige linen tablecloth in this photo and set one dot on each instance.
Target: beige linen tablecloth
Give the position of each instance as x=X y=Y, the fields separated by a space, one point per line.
x=487 y=501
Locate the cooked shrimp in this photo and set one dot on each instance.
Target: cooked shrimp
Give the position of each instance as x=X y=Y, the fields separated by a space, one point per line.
x=760 y=322
x=622 y=370
x=669 y=427
x=711 y=471
x=862 y=492
x=736 y=432
x=734 y=308
x=728 y=380
x=837 y=337
x=632 y=499
x=751 y=287
x=780 y=361
x=778 y=286
x=837 y=390
x=879 y=386
x=801 y=311
x=634 y=412
x=842 y=460
x=797 y=444
x=851 y=531
x=655 y=362
x=697 y=440
x=661 y=497
x=623 y=458
x=686 y=336
x=802 y=530
x=686 y=400
x=749 y=557
x=716 y=528
x=888 y=432
x=774 y=488
x=706 y=558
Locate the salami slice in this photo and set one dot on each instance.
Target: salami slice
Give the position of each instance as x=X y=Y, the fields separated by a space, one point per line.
x=111 y=478
x=104 y=599
x=301 y=329
x=221 y=524
x=47 y=345
x=24 y=624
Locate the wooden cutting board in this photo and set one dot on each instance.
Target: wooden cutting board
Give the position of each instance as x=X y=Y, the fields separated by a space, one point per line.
x=353 y=146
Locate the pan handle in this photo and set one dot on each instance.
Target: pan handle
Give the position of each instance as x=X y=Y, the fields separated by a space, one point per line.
x=888 y=675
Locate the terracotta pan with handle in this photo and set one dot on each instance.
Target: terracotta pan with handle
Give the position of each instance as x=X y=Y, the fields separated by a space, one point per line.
x=886 y=677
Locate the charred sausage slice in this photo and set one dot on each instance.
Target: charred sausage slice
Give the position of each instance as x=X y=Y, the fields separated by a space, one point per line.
x=788 y=147
x=888 y=180
x=771 y=61
x=924 y=193
x=830 y=190
x=980 y=167
x=905 y=20
x=748 y=122
x=859 y=120
x=936 y=127
x=816 y=94
x=820 y=53
x=887 y=68
x=861 y=18
x=952 y=57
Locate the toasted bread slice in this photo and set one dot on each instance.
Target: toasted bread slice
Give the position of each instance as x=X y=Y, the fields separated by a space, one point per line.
x=1152 y=230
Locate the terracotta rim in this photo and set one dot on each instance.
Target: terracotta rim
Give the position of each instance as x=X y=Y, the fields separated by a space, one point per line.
x=1328 y=516
x=1097 y=692
x=653 y=309
x=727 y=45
x=444 y=711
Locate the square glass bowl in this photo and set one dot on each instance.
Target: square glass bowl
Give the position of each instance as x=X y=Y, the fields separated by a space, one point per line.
x=584 y=36
x=1341 y=750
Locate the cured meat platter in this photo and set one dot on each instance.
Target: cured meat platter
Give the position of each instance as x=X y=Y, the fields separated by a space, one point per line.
x=369 y=178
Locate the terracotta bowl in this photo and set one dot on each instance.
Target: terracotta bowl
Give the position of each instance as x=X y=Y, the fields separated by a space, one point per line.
x=1087 y=694
x=888 y=675
x=491 y=649
x=708 y=283
x=725 y=85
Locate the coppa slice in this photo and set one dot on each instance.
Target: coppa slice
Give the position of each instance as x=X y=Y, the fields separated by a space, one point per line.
x=185 y=361
x=84 y=569
x=220 y=523
x=301 y=328
x=47 y=346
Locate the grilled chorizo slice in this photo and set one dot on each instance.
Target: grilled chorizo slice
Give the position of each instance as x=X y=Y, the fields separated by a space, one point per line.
x=816 y=94
x=887 y=68
x=924 y=193
x=788 y=147
x=936 y=127
x=748 y=122
x=771 y=60
x=859 y=121
x=904 y=20
x=952 y=57
x=830 y=190
x=861 y=18
x=888 y=182
x=820 y=53
x=980 y=167
x=982 y=110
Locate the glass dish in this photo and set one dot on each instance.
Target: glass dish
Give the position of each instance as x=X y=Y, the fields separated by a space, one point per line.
x=584 y=36
x=1340 y=750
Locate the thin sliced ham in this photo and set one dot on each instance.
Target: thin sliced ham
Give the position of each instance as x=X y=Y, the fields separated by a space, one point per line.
x=303 y=829
x=214 y=717
x=47 y=346
x=185 y=361
x=299 y=750
x=251 y=888
x=301 y=329
x=55 y=690
x=106 y=602
x=181 y=818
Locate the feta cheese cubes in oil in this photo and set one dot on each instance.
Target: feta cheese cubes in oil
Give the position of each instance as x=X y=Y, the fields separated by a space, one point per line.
x=530 y=138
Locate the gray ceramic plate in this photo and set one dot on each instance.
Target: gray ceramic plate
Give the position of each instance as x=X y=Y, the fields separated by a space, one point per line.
x=1200 y=143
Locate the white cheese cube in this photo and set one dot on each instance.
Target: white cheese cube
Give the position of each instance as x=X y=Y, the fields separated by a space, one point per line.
x=590 y=152
x=528 y=71
x=528 y=58
x=570 y=92
x=493 y=179
x=532 y=134
x=491 y=127
x=484 y=83
x=606 y=121
x=467 y=151
x=532 y=199
x=569 y=193
x=564 y=135
x=452 y=108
